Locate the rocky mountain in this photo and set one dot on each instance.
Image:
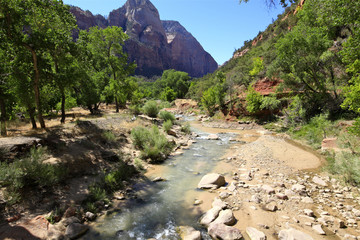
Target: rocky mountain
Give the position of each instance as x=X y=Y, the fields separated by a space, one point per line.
x=154 y=45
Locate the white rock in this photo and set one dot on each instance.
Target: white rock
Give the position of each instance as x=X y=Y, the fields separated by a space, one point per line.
x=226 y=217
x=189 y=233
x=268 y=189
x=222 y=231
x=255 y=234
x=318 y=229
x=319 y=181
x=211 y=180
x=293 y=234
x=210 y=216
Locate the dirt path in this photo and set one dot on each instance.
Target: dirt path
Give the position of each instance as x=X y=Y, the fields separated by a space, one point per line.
x=275 y=184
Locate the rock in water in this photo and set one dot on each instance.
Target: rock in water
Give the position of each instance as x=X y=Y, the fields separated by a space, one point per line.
x=211 y=180
x=75 y=230
x=221 y=231
x=213 y=137
x=293 y=234
x=255 y=234
x=189 y=233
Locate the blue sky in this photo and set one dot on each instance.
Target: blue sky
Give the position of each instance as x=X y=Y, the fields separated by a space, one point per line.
x=221 y=26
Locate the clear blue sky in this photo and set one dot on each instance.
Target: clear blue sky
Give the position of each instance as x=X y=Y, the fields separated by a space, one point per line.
x=221 y=26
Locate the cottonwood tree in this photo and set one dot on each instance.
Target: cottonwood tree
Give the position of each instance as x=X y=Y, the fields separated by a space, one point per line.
x=36 y=26
x=109 y=62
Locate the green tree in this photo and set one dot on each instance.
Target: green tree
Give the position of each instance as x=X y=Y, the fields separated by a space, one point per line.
x=106 y=46
x=214 y=96
x=175 y=83
x=36 y=26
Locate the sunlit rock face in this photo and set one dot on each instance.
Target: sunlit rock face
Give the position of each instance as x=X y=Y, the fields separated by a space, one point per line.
x=154 y=45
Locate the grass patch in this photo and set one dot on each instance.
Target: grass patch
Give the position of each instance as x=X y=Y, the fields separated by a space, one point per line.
x=165 y=115
x=29 y=172
x=138 y=163
x=109 y=136
x=167 y=125
x=185 y=128
x=154 y=146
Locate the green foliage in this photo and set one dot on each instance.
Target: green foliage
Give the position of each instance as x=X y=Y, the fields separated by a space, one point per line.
x=29 y=172
x=168 y=94
x=257 y=66
x=151 y=108
x=185 y=128
x=315 y=131
x=109 y=136
x=270 y=103
x=214 y=96
x=152 y=143
x=355 y=128
x=139 y=165
x=295 y=112
x=165 y=115
x=167 y=125
x=346 y=166
x=253 y=101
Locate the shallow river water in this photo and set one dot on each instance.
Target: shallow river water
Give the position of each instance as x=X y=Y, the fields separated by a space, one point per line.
x=160 y=207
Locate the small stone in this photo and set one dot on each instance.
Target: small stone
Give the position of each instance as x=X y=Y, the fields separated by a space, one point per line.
x=158 y=179
x=219 y=203
x=224 y=195
x=255 y=234
x=198 y=202
x=318 y=229
x=90 y=216
x=268 y=189
x=271 y=207
x=189 y=233
x=307 y=200
x=282 y=196
x=319 y=181
x=309 y=212
x=293 y=234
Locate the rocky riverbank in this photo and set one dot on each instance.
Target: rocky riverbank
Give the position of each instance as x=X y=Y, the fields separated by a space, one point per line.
x=275 y=190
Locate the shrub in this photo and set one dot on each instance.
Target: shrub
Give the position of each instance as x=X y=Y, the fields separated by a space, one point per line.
x=167 y=126
x=165 y=115
x=151 y=108
x=152 y=143
x=139 y=165
x=30 y=171
x=253 y=101
x=185 y=128
x=109 y=136
x=347 y=166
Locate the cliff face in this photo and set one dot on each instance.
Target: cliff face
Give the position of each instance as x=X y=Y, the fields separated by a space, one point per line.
x=154 y=45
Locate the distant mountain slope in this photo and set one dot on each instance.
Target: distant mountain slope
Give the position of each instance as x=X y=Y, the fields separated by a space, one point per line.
x=154 y=45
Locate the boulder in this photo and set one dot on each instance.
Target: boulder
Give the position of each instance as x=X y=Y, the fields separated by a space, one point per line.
x=255 y=234
x=189 y=233
x=211 y=180
x=224 y=232
x=213 y=137
x=210 y=216
x=219 y=203
x=293 y=234
x=75 y=230
x=226 y=217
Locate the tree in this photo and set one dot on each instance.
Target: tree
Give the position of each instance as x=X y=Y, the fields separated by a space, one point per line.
x=109 y=59
x=36 y=26
x=173 y=83
x=213 y=97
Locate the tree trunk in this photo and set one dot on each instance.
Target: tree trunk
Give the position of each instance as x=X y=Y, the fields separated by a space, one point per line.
x=32 y=117
x=3 y=117
x=117 y=104
x=62 y=107
x=36 y=87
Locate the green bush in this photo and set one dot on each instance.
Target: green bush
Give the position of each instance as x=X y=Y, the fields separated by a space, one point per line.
x=151 y=108
x=185 y=128
x=139 y=165
x=253 y=101
x=109 y=136
x=29 y=172
x=165 y=115
x=347 y=166
x=167 y=125
x=315 y=131
x=152 y=143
